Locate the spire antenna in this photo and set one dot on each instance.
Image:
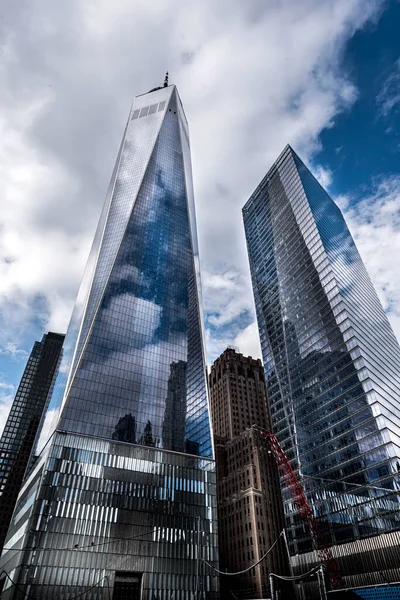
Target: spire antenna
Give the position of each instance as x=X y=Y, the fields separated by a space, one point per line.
x=166 y=80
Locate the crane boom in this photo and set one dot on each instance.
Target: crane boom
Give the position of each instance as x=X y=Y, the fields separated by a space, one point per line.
x=304 y=509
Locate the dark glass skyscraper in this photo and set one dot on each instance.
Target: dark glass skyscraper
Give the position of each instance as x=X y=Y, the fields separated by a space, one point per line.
x=126 y=469
x=23 y=421
x=332 y=367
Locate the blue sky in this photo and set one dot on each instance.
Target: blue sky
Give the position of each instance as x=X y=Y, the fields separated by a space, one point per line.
x=322 y=76
x=364 y=143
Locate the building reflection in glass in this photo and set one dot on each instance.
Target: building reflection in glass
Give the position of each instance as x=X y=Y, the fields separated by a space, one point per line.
x=115 y=471
x=175 y=408
x=125 y=430
x=332 y=362
x=141 y=309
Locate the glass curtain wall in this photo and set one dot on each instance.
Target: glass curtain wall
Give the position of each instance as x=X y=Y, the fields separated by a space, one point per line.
x=124 y=467
x=95 y=511
x=138 y=315
x=331 y=360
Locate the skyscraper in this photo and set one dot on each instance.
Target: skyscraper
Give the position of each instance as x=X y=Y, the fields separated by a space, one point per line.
x=238 y=395
x=250 y=514
x=126 y=469
x=332 y=367
x=23 y=421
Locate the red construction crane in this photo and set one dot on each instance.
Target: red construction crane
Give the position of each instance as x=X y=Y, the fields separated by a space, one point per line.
x=304 y=509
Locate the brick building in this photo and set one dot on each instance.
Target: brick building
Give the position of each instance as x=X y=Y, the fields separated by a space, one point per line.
x=250 y=511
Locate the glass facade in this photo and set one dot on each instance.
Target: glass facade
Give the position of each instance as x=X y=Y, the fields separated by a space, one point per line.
x=124 y=461
x=96 y=513
x=331 y=360
x=23 y=421
x=136 y=330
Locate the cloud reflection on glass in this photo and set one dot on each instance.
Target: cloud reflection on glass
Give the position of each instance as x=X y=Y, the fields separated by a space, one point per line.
x=331 y=359
x=134 y=346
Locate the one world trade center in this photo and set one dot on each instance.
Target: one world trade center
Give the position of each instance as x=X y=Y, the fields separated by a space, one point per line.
x=120 y=498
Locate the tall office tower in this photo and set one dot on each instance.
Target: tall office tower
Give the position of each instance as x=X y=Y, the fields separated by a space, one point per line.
x=332 y=366
x=23 y=421
x=122 y=496
x=250 y=514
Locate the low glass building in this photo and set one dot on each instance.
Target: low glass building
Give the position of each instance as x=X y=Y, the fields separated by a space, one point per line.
x=332 y=366
x=121 y=498
x=113 y=520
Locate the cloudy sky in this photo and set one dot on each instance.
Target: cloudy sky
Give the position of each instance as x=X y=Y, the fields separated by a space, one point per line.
x=253 y=75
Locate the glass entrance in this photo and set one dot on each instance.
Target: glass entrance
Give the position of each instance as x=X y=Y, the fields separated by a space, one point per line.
x=127 y=586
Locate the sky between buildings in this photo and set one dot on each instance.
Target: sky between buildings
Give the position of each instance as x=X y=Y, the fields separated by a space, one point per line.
x=253 y=76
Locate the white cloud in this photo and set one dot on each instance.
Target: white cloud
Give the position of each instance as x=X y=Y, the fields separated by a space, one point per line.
x=324 y=175
x=252 y=77
x=374 y=222
x=37 y=258
x=248 y=341
x=10 y=349
x=226 y=296
x=389 y=96
x=7 y=392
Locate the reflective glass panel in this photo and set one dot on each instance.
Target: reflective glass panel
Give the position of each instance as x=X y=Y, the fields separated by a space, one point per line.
x=332 y=362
